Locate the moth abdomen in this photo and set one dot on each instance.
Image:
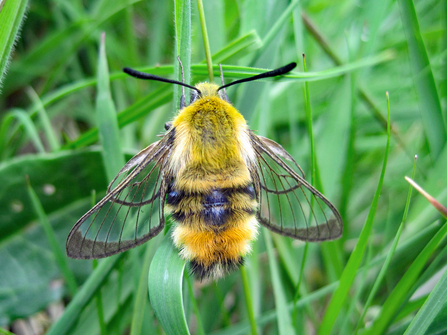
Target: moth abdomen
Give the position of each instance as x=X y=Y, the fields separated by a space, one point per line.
x=214 y=229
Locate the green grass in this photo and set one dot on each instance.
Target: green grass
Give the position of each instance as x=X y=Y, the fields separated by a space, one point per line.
x=69 y=116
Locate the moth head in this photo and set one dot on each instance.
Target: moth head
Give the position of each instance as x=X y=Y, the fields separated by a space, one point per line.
x=207 y=90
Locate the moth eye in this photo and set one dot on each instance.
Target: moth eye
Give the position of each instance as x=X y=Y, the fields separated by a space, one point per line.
x=223 y=96
x=194 y=96
x=168 y=125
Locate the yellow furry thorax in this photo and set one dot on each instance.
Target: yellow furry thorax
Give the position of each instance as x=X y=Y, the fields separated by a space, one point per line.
x=211 y=139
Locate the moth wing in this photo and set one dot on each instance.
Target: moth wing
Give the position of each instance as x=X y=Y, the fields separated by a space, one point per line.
x=131 y=212
x=288 y=204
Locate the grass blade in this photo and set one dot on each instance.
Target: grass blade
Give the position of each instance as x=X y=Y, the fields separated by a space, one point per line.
x=27 y=123
x=248 y=300
x=206 y=42
x=284 y=321
x=238 y=48
x=141 y=295
x=200 y=330
x=352 y=266
x=389 y=256
x=182 y=24
x=99 y=304
x=424 y=81
x=11 y=16
x=45 y=120
x=165 y=288
x=106 y=119
x=400 y=293
x=84 y=295
x=432 y=306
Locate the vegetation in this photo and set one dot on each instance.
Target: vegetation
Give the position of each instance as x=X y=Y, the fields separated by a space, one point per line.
x=60 y=139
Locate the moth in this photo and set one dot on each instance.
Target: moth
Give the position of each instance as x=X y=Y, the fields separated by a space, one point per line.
x=218 y=181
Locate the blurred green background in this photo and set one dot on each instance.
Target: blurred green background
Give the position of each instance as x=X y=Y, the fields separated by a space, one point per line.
x=355 y=51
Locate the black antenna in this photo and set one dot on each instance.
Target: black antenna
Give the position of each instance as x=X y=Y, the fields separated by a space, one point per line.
x=277 y=72
x=142 y=75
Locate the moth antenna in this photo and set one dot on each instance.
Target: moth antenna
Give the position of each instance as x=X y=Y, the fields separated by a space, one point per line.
x=148 y=76
x=223 y=83
x=277 y=72
x=182 y=98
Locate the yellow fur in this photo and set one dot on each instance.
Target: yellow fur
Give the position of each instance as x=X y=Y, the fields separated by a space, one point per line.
x=211 y=151
x=208 y=247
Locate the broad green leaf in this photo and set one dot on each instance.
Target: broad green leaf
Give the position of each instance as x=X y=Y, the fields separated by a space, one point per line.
x=166 y=288
x=59 y=180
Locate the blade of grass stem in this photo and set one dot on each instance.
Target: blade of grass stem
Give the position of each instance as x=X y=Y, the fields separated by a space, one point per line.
x=239 y=47
x=330 y=254
x=99 y=306
x=283 y=317
x=353 y=264
x=308 y=110
x=206 y=42
x=350 y=158
x=199 y=325
x=28 y=124
x=106 y=118
x=46 y=123
x=297 y=294
x=301 y=274
x=182 y=26
x=98 y=295
x=248 y=300
x=274 y=30
x=389 y=256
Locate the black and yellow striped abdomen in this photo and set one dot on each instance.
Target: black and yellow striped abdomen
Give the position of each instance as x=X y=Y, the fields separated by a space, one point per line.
x=214 y=228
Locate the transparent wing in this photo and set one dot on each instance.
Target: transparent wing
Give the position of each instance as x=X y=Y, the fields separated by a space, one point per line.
x=132 y=210
x=288 y=204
